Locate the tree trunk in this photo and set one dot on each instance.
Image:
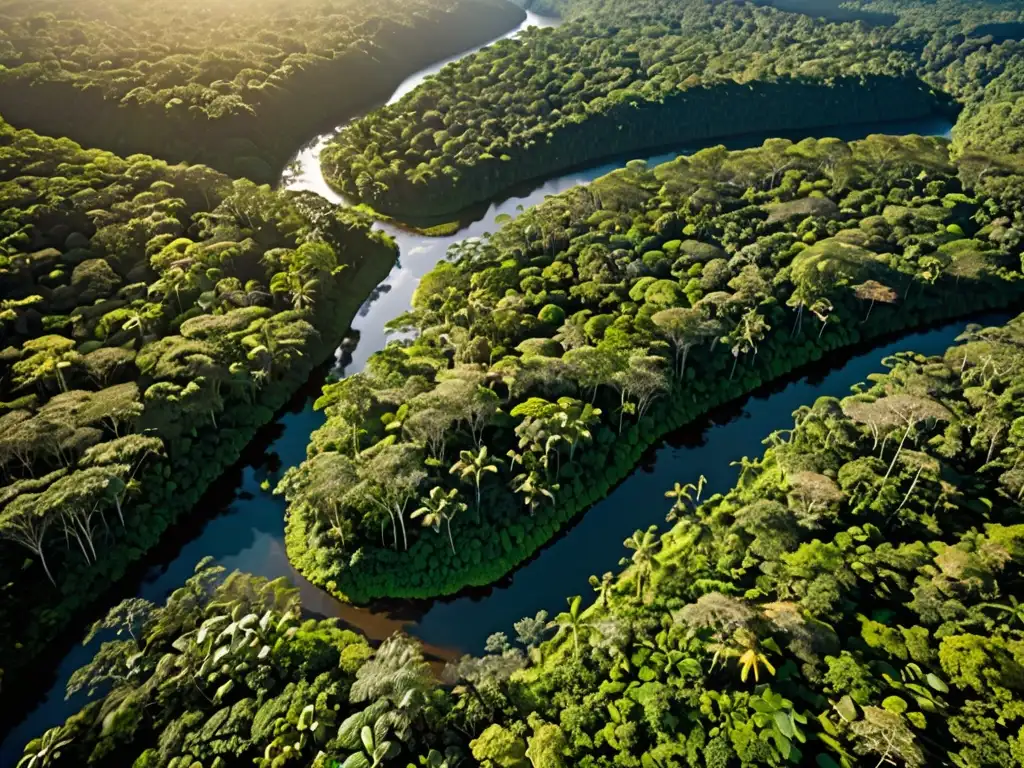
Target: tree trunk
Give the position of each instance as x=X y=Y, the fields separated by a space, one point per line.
x=448 y=520
x=42 y=559
x=87 y=532
x=870 y=307
x=394 y=529
x=401 y=523
x=898 y=449
x=913 y=485
x=73 y=531
x=992 y=445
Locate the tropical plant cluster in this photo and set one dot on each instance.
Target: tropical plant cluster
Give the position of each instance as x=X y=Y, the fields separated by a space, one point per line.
x=539 y=363
x=991 y=121
x=152 y=317
x=851 y=601
x=228 y=673
x=615 y=81
x=235 y=85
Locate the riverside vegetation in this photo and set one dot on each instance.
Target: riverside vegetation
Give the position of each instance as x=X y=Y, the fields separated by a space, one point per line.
x=236 y=86
x=850 y=602
x=621 y=76
x=538 y=364
x=153 y=316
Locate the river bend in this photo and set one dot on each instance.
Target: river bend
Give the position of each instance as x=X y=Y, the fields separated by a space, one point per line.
x=241 y=525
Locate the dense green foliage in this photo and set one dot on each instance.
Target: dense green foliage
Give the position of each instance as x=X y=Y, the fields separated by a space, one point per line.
x=226 y=673
x=850 y=602
x=152 y=317
x=621 y=77
x=543 y=360
x=554 y=98
x=235 y=85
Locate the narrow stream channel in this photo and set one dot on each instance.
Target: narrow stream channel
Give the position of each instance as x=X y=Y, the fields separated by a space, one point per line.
x=246 y=530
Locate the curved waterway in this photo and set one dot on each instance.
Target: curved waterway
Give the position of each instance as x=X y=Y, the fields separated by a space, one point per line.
x=242 y=527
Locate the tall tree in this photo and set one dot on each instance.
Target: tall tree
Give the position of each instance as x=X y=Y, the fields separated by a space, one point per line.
x=642 y=381
x=874 y=291
x=684 y=328
x=571 y=621
x=474 y=466
x=440 y=507
x=26 y=522
x=643 y=561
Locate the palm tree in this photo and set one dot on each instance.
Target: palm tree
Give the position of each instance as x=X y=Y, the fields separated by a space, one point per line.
x=645 y=545
x=440 y=507
x=474 y=465
x=300 y=291
x=577 y=427
x=701 y=482
x=432 y=509
x=45 y=751
x=679 y=494
x=449 y=515
x=551 y=443
x=747 y=468
x=822 y=309
x=603 y=587
x=571 y=620
x=303 y=293
x=534 y=488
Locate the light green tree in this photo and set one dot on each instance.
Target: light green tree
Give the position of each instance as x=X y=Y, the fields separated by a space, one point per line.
x=473 y=466
x=571 y=621
x=643 y=561
x=440 y=507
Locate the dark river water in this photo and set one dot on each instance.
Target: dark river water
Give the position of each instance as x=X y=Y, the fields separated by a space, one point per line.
x=832 y=10
x=242 y=526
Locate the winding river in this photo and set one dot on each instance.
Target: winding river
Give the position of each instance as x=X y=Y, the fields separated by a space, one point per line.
x=242 y=526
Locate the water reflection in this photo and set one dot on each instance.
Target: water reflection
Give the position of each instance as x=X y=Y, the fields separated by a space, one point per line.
x=241 y=526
